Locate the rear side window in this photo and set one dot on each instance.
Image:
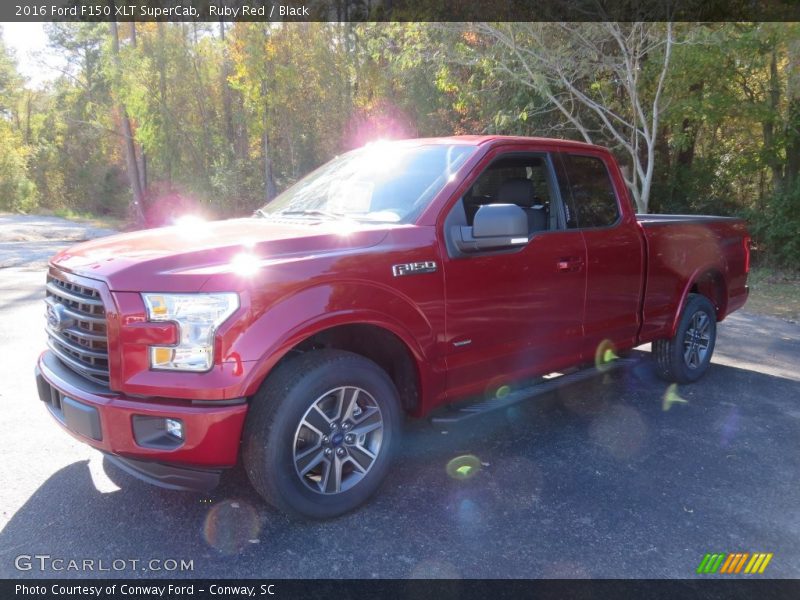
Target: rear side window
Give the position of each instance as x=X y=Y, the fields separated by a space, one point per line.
x=592 y=194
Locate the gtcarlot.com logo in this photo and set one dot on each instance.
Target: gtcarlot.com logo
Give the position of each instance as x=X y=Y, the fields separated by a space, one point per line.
x=734 y=563
x=46 y=562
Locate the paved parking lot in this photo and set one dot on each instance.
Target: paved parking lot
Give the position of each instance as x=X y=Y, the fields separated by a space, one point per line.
x=618 y=477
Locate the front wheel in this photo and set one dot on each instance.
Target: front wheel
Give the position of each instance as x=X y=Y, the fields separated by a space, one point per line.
x=685 y=357
x=320 y=433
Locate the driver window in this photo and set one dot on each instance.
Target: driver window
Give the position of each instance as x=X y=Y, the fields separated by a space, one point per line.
x=517 y=179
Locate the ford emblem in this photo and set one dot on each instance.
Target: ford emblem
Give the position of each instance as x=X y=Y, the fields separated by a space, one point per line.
x=57 y=317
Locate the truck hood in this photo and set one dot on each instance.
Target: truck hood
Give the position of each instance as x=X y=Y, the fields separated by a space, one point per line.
x=182 y=258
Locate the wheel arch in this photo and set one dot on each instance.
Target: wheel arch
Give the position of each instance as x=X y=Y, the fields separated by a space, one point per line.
x=708 y=282
x=378 y=344
x=386 y=344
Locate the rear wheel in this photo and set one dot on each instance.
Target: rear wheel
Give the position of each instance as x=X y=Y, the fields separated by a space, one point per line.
x=685 y=357
x=320 y=433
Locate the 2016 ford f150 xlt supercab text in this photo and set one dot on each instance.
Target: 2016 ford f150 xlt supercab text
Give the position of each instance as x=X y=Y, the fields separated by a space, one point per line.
x=400 y=278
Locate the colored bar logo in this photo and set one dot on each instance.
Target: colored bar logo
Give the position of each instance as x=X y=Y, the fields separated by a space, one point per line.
x=733 y=563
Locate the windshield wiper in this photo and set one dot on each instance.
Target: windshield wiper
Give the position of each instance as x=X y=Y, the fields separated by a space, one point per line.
x=261 y=213
x=313 y=212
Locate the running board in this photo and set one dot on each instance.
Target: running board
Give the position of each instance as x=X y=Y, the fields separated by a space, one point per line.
x=546 y=384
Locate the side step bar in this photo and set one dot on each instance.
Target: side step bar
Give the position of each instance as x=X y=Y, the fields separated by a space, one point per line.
x=546 y=384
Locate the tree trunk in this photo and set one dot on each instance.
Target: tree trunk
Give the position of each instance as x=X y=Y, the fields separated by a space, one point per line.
x=141 y=154
x=28 y=107
x=135 y=209
x=162 y=94
x=270 y=191
x=768 y=127
x=685 y=156
x=227 y=101
x=667 y=174
x=793 y=115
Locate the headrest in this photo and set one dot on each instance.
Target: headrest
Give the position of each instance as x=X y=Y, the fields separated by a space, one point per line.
x=517 y=191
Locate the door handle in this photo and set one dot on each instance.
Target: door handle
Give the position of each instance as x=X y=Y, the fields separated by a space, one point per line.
x=569 y=263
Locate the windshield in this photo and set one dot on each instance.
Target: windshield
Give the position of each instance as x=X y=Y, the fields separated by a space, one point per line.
x=386 y=182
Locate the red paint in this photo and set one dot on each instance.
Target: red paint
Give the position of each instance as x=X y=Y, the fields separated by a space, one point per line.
x=472 y=324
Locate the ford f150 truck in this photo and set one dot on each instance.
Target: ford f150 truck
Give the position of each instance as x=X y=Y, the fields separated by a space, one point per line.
x=398 y=279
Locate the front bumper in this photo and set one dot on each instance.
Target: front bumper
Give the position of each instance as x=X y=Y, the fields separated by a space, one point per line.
x=105 y=420
x=167 y=476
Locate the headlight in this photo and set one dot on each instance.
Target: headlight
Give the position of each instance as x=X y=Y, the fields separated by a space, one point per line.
x=197 y=317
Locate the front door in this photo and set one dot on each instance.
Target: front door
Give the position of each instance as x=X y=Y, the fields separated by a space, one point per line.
x=518 y=312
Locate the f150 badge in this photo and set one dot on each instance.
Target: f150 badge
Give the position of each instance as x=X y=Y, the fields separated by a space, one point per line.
x=415 y=268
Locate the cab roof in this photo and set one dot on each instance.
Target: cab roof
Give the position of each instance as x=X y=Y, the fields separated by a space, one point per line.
x=496 y=140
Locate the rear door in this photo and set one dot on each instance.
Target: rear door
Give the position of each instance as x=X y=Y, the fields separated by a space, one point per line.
x=516 y=312
x=614 y=248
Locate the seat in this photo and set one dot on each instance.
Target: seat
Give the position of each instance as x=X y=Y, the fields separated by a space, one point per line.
x=521 y=192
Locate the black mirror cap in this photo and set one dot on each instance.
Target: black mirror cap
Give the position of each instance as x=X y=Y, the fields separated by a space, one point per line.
x=500 y=220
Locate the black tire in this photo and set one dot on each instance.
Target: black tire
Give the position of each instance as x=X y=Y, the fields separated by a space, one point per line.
x=274 y=437
x=672 y=363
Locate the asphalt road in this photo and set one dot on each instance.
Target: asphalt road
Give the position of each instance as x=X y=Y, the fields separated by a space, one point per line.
x=595 y=480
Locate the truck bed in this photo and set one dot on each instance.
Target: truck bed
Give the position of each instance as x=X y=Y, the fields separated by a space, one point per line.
x=684 y=250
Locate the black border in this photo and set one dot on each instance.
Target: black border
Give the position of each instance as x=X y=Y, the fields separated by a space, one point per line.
x=442 y=589
x=411 y=10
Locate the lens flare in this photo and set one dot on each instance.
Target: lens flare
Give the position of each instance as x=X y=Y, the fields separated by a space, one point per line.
x=496 y=388
x=671 y=396
x=463 y=467
x=604 y=356
x=730 y=427
x=190 y=226
x=584 y=400
x=245 y=264
x=189 y=220
x=230 y=526
x=469 y=517
x=620 y=431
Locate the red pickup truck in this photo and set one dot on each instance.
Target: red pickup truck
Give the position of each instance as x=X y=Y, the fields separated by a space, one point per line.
x=401 y=278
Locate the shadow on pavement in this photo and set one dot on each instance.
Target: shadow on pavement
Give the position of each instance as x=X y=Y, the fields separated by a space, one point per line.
x=600 y=479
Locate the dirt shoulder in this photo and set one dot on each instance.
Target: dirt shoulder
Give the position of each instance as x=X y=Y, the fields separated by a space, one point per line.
x=774 y=293
x=28 y=241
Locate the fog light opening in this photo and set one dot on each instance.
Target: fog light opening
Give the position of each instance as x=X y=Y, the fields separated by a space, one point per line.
x=175 y=428
x=158 y=433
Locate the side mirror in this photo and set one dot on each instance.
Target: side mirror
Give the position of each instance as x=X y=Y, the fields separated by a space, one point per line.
x=495 y=226
x=500 y=220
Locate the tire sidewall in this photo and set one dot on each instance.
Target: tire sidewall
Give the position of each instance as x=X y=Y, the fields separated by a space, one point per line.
x=683 y=372
x=293 y=494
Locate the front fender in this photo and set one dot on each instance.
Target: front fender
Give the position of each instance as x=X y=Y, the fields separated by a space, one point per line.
x=296 y=317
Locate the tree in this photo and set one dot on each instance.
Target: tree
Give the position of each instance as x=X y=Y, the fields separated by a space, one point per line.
x=17 y=191
x=706 y=117
x=255 y=53
x=606 y=79
x=136 y=211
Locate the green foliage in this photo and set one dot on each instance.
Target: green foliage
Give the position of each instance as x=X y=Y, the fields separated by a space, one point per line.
x=222 y=115
x=17 y=192
x=776 y=228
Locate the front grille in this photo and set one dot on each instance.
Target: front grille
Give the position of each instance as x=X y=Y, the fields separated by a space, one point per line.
x=76 y=328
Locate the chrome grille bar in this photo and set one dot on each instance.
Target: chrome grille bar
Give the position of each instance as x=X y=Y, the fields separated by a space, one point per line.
x=80 y=343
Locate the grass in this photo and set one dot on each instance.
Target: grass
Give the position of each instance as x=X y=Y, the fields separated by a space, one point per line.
x=774 y=292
